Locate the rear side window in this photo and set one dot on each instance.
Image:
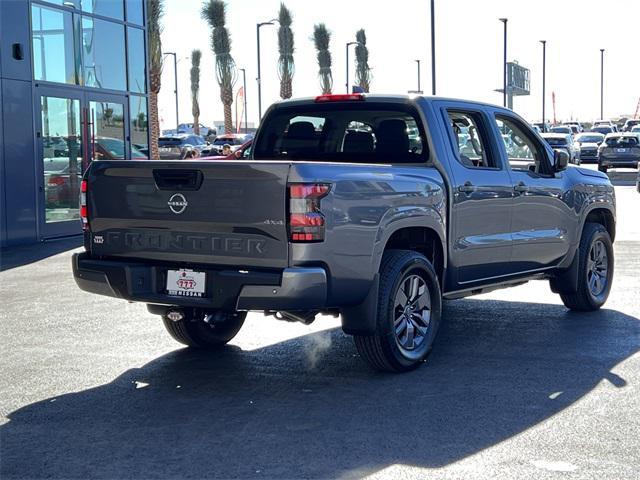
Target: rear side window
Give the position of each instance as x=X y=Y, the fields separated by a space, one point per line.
x=363 y=132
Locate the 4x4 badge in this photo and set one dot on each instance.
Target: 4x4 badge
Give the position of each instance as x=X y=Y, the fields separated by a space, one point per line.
x=177 y=203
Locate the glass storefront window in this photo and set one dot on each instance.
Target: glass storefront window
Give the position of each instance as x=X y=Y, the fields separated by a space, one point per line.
x=106 y=8
x=103 y=54
x=135 y=13
x=137 y=65
x=139 y=126
x=54 y=58
x=107 y=135
x=61 y=157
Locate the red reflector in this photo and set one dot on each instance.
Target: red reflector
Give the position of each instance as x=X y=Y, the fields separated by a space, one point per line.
x=83 y=186
x=308 y=190
x=306 y=220
x=56 y=181
x=343 y=97
x=83 y=211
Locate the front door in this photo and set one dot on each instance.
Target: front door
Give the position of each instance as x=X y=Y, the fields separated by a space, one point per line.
x=74 y=128
x=61 y=143
x=480 y=231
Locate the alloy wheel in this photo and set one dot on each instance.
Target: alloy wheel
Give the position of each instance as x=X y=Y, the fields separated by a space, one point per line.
x=412 y=312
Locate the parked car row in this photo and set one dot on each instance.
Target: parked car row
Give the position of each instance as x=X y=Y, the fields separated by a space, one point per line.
x=187 y=146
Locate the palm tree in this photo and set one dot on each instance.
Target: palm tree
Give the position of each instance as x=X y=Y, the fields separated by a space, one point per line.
x=321 y=38
x=363 y=71
x=195 y=89
x=285 y=47
x=213 y=12
x=155 y=10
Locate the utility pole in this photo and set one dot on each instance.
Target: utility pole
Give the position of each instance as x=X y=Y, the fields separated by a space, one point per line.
x=348 y=45
x=433 y=49
x=175 y=74
x=504 y=66
x=244 y=86
x=602 y=83
x=258 y=79
x=544 y=79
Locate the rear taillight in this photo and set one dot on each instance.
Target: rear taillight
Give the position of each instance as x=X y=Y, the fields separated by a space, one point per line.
x=306 y=221
x=83 y=205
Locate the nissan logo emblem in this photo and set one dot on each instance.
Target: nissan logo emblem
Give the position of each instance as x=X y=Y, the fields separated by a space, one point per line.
x=177 y=203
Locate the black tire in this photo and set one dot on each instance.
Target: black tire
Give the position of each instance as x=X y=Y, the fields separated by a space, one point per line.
x=587 y=298
x=205 y=331
x=384 y=350
x=603 y=168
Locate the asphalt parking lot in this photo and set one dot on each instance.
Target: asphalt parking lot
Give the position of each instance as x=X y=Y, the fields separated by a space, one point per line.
x=516 y=387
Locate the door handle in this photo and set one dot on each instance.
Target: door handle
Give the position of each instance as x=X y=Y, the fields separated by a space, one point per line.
x=521 y=188
x=467 y=187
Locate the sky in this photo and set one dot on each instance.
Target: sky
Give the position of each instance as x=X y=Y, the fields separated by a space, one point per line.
x=469 y=51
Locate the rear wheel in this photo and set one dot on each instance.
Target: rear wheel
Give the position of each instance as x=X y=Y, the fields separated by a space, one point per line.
x=595 y=270
x=201 y=330
x=408 y=317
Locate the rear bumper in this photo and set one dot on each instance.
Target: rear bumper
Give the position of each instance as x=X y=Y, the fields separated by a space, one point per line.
x=619 y=162
x=226 y=289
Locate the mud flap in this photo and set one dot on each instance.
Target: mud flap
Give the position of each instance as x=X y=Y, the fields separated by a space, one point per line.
x=566 y=281
x=361 y=319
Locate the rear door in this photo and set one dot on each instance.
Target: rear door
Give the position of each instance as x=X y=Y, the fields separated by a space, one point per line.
x=480 y=239
x=190 y=212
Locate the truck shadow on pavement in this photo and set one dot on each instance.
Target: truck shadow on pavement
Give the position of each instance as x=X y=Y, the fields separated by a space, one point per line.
x=498 y=369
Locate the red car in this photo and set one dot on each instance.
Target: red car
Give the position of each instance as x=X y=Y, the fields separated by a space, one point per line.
x=242 y=152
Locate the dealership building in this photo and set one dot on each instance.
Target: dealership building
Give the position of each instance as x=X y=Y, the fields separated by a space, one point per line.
x=73 y=88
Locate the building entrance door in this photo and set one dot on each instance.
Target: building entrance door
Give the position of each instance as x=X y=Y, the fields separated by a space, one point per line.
x=74 y=128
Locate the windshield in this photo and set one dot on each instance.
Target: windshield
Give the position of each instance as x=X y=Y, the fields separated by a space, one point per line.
x=586 y=138
x=342 y=132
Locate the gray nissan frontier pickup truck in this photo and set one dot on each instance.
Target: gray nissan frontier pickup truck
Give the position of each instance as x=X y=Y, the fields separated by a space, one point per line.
x=374 y=208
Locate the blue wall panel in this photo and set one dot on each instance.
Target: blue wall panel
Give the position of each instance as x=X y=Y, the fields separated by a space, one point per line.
x=19 y=165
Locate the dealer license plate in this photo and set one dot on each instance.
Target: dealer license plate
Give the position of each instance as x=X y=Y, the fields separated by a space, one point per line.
x=186 y=283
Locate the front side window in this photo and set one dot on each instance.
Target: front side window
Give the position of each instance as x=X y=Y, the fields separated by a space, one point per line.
x=363 y=132
x=466 y=130
x=103 y=54
x=522 y=152
x=53 y=46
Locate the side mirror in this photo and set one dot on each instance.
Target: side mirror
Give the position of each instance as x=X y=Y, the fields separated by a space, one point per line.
x=561 y=160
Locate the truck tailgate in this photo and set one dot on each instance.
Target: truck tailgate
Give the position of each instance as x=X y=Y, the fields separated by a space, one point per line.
x=228 y=213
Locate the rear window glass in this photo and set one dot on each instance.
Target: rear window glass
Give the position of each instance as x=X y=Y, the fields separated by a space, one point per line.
x=621 y=141
x=556 y=141
x=228 y=141
x=168 y=141
x=342 y=132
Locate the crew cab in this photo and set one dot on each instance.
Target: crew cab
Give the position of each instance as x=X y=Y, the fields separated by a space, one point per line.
x=374 y=208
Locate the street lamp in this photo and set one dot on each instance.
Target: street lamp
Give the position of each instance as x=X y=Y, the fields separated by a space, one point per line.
x=602 y=83
x=244 y=87
x=175 y=74
x=504 y=66
x=258 y=79
x=418 y=62
x=433 y=48
x=544 y=79
x=348 y=45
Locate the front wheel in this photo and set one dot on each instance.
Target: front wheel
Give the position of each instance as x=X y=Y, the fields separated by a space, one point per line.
x=207 y=331
x=595 y=270
x=408 y=315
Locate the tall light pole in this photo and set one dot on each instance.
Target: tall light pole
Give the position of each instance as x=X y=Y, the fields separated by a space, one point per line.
x=244 y=87
x=544 y=80
x=258 y=79
x=433 y=48
x=175 y=74
x=602 y=83
x=348 y=45
x=504 y=64
x=418 y=62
